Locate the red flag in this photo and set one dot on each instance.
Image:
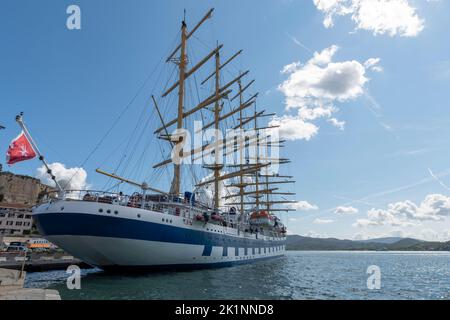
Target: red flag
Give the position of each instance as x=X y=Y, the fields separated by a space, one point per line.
x=20 y=149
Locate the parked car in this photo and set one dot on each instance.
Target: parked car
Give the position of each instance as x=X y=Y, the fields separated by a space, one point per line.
x=14 y=247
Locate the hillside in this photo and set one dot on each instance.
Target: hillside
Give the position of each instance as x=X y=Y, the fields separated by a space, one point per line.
x=296 y=242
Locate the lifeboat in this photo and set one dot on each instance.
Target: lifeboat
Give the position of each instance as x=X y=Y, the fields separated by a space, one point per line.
x=216 y=218
x=199 y=217
x=262 y=218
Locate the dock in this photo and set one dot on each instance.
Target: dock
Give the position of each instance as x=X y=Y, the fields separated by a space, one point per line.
x=35 y=262
x=11 y=288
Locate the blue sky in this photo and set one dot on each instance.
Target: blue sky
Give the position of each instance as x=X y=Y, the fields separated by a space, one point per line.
x=72 y=85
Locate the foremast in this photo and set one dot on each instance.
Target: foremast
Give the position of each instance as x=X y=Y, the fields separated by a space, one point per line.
x=175 y=186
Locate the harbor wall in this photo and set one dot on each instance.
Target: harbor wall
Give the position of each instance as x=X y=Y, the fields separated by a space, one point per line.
x=39 y=261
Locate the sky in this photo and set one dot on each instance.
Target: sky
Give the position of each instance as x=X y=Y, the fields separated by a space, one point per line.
x=360 y=88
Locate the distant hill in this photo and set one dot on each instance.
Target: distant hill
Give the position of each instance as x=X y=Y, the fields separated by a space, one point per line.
x=382 y=240
x=296 y=242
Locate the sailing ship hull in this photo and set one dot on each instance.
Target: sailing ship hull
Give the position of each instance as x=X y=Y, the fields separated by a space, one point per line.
x=114 y=237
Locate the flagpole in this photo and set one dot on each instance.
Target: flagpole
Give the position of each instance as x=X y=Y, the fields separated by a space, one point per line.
x=19 y=120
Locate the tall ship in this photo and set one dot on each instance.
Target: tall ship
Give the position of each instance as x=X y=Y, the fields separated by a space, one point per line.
x=231 y=215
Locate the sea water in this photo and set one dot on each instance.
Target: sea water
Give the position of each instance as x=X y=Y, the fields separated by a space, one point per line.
x=297 y=275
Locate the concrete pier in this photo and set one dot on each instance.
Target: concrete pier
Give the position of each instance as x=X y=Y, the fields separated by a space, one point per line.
x=39 y=261
x=11 y=288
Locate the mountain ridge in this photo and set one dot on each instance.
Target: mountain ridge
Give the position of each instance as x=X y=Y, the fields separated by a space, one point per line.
x=297 y=242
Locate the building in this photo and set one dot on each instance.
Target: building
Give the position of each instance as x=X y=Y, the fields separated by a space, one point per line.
x=15 y=219
x=18 y=194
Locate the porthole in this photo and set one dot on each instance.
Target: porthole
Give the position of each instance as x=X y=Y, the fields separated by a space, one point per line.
x=62 y=208
x=108 y=211
x=100 y=210
x=116 y=212
x=138 y=215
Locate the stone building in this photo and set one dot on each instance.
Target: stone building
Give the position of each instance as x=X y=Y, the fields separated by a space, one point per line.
x=15 y=219
x=18 y=194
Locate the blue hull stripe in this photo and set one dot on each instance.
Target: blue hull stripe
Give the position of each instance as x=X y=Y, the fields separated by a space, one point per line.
x=207 y=251
x=80 y=224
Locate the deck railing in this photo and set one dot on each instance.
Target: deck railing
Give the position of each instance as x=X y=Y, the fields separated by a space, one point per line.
x=171 y=205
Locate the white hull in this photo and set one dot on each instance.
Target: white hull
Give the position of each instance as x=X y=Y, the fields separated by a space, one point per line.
x=137 y=238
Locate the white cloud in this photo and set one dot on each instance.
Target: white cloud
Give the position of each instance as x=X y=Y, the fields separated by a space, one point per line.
x=392 y=17
x=435 y=207
x=314 y=87
x=68 y=178
x=341 y=210
x=338 y=124
x=360 y=236
x=372 y=64
x=320 y=78
x=294 y=128
x=290 y=67
x=323 y=221
x=303 y=206
x=314 y=234
x=323 y=58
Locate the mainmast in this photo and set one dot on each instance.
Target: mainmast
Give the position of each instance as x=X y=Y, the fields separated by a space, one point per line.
x=216 y=166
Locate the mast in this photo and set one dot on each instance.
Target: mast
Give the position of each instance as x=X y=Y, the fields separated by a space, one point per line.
x=257 y=161
x=175 y=187
x=217 y=167
x=267 y=181
x=177 y=139
x=241 y=150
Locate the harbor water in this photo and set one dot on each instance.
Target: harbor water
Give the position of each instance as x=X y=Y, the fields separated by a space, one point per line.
x=298 y=275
